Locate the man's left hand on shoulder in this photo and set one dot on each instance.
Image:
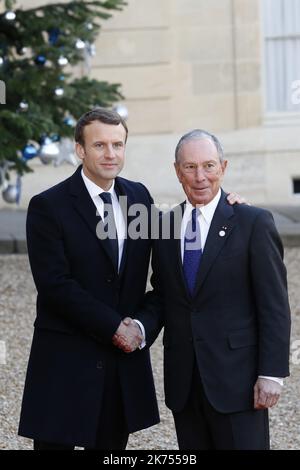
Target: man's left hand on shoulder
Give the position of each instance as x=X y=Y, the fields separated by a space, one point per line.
x=234 y=198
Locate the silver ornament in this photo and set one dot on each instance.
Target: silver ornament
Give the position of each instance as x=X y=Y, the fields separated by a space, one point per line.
x=11 y=193
x=66 y=153
x=48 y=151
x=121 y=110
x=46 y=159
x=91 y=49
x=4 y=167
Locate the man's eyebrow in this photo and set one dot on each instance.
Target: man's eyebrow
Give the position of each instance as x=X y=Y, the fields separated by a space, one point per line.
x=191 y=162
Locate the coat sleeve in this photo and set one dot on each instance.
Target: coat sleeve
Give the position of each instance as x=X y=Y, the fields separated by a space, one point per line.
x=151 y=313
x=269 y=280
x=53 y=280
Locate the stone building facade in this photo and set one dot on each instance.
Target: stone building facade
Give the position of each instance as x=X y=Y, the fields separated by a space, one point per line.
x=228 y=66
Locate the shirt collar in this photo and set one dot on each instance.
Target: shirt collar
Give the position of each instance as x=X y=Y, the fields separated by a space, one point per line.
x=93 y=189
x=208 y=210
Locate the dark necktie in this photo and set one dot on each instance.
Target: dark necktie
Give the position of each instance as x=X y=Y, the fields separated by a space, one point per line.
x=110 y=226
x=192 y=251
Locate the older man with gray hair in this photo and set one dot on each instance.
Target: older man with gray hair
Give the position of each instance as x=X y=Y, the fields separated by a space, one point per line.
x=220 y=291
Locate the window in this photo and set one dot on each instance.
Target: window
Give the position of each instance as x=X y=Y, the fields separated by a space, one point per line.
x=281 y=20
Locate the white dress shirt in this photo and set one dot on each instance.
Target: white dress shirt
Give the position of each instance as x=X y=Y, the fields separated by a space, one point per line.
x=205 y=217
x=94 y=190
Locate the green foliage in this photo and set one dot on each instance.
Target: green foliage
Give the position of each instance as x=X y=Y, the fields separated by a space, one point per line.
x=25 y=38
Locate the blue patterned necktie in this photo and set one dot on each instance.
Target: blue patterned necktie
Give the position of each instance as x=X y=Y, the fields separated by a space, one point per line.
x=192 y=251
x=110 y=225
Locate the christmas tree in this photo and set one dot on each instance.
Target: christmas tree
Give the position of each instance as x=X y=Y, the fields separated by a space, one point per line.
x=39 y=97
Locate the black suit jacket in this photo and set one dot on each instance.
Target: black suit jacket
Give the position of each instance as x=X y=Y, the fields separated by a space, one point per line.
x=81 y=301
x=237 y=325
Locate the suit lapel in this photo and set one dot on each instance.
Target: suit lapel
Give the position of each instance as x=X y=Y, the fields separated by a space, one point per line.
x=222 y=224
x=85 y=207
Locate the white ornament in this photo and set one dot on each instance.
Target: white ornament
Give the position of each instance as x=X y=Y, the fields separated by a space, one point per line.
x=62 y=60
x=10 y=15
x=79 y=44
x=23 y=106
x=59 y=91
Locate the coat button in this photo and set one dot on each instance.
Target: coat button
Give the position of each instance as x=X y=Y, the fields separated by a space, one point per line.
x=99 y=365
x=109 y=279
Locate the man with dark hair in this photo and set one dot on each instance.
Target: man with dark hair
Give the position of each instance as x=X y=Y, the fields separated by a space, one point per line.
x=80 y=389
x=103 y=115
x=220 y=291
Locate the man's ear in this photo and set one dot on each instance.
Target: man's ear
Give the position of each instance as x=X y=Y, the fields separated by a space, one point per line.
x=79 y=151
x=178 y=172
x=224 y=166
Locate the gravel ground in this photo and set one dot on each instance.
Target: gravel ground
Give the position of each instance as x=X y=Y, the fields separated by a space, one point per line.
x=17 y=311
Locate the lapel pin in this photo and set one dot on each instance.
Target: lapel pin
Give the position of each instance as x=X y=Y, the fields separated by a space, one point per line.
x=222 y=233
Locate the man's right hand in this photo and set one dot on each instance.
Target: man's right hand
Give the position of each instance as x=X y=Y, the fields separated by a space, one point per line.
x=128 y=336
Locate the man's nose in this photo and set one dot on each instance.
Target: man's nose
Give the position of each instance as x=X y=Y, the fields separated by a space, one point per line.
x=199 y=173
x=109 y=152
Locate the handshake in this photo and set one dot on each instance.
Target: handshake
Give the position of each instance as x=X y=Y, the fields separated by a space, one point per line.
x=128 y=336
